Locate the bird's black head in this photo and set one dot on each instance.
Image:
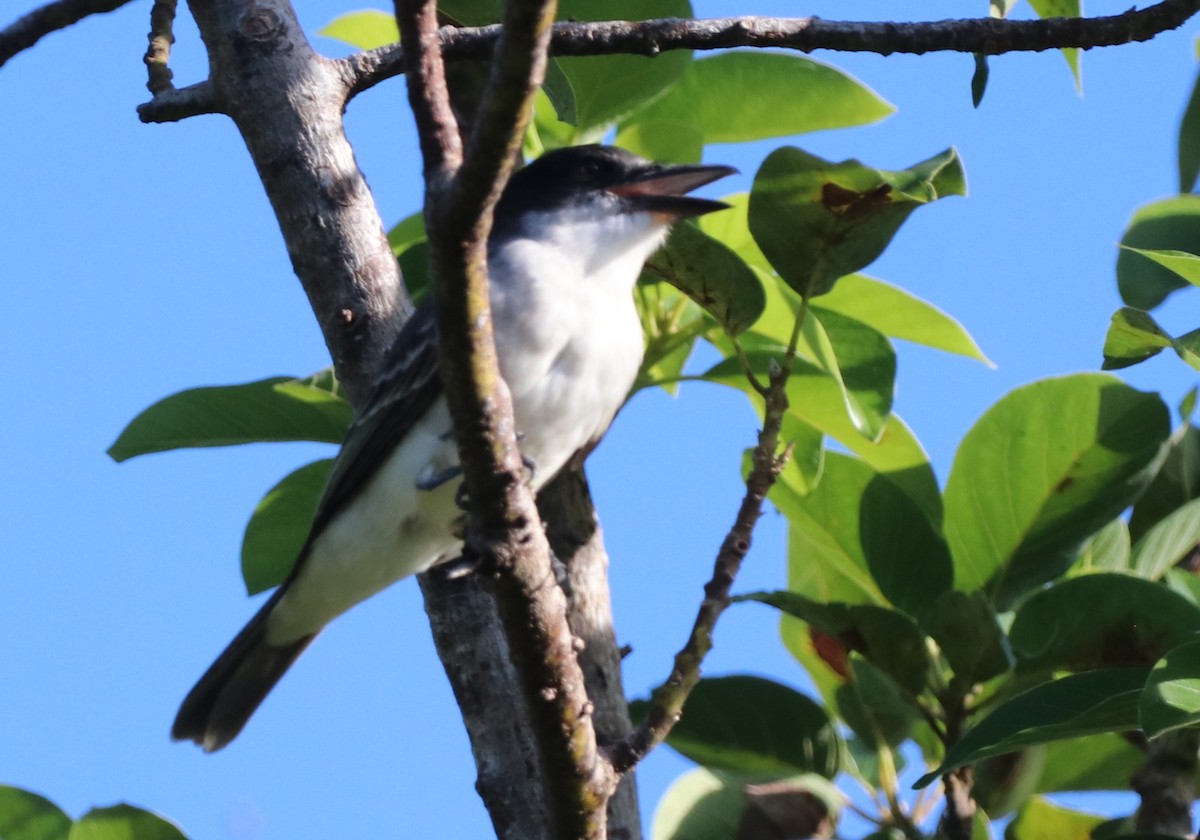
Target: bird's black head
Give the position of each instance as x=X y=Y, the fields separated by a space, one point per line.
x=619 y=180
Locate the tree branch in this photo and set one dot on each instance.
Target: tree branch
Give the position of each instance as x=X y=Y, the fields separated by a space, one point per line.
x=1166 y=784
x=667 y=706
x=158 y=53
x=989 y=36
x=26 y=31
x=505 y=528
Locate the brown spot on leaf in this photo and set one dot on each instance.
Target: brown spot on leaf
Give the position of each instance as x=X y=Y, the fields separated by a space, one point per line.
x=852 y=203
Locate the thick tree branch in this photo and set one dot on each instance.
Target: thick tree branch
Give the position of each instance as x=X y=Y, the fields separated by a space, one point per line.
x=989 y=36
x=667 y=706
x=505 y=529
x=26 y=31
x=1166 y=784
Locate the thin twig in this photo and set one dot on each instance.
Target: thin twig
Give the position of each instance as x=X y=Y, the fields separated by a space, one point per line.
x=987 y=36
x=766 y=464
x=26 y=31
x=158 y=53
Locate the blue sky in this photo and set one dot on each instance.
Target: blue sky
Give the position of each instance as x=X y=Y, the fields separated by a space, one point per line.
x=140 y=260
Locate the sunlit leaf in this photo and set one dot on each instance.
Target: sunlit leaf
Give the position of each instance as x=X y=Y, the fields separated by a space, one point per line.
x=1046 y=467
x=366 y=30
x=124 y=822
x=1171 y=699
x=1063 y=8
x=26 y=816
x=1168 y=542
x=1042 y=819
x=1133 y=336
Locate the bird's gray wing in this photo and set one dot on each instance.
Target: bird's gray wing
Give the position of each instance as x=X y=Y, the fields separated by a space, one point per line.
x=407 y=385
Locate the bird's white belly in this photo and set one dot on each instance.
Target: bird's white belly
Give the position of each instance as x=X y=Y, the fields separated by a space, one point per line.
x=390 y=530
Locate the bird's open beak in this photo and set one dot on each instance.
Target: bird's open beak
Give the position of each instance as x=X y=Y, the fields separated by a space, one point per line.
x=663 y=189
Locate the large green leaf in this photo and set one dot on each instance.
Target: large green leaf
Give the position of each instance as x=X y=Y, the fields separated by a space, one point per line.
x=717 y=805
x=277 y=409
x=1042 y=470
x=968 y=632
x=712 y=275
x=865 y=365
x=898 y=314
x=609 y=88
x=1186 y=265
x=859 y=538
x=366 y=29
x=739 y=96
x=1189 y=142
x=754 y=725
x=1097 y=762
x=1171 y=224
x=1108 y=550
x=1171 y=698
x=1100 y=620
x=124 y=822
x=1075 y=705
x=1177 y=482
x=816 y=220
x=280 y=524
x=888 y=639
x=1041 y=819
x=26 y=816
x=1168 y=542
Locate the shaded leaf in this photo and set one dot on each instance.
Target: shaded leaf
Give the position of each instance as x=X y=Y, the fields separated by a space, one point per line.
x=277 y=409
x=1189 y=142
x=1176 y=483
x=710 y=274
x=1185 y=265
x=898 y=314
x=753 y=725
x=979 y=79
x=1045 y=468
x=865 y=364
x=1170 y=224
x=124 y=822
x=1100 y=620
x=816 y=220
x=1171 y=698
x=1097 y=762
x=874 y=707
x=968 y=632
x=26 y=816
x=859 y=538
x=888 y=639
x=1168 y=542
x=280 y=525
x=1075 y=705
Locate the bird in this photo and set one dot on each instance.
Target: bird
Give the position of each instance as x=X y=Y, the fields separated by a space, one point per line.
x=570 y=235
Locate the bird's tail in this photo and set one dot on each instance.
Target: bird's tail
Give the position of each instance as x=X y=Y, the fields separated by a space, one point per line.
x=219 y=705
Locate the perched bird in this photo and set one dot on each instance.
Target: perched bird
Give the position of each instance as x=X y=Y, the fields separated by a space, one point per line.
x=570 y=235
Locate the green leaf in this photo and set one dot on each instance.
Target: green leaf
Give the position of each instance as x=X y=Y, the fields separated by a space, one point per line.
x=859 y=538
x=1133 y=336
x=1168 y=542
x=1189 y=142
x=736 y=97
x=1041 y=819
x=888 y=639
x=979 y=79
x=1069 y=707
x=280 y=525
x=124 y=822
x=1171 y=224
x=365 y=30
x=668 y=142
x=864 y=362
x=1100 y=620
x=1063 y=8
x=754 y=725
x=874 y=707
x=1097 y=762
x=718 y=805
x=1181 y=263
x=609 y=88
x=968 y=632
x=817 y=221
x=732 y=227
x=1045 y=468
x=277 y=409
x=1171 y=699
x=414 y=267
x=712 y=275
x=898 y=314
x=407 y=232
x=1108 y=550
x=26 y=816
x=1177 y=482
